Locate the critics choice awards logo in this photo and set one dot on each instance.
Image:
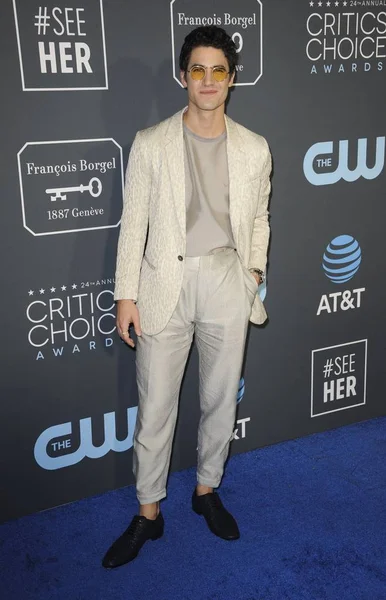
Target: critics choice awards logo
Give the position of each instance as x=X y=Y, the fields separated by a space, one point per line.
x=66 y=320
x=61 y=46
x=338 y=377
x=326 y=163
x=341 y=261
x=242 y=21
x=345 y=36
x=70 y=186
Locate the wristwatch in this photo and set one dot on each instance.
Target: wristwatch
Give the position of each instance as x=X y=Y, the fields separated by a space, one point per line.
x=259 y=272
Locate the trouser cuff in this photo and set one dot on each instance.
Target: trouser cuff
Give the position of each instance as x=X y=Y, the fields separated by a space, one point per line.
x=209 y=482
x=151 y=498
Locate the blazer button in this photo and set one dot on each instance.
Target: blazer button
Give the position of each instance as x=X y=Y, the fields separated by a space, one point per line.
x=180 y=257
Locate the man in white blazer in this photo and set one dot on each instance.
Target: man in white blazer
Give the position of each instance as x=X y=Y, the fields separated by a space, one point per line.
x=192 y=251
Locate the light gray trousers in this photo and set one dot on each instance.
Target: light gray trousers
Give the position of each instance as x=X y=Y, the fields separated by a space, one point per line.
x=215 y=303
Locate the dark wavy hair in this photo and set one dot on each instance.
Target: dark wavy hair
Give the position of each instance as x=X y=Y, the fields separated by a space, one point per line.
x=209 y=36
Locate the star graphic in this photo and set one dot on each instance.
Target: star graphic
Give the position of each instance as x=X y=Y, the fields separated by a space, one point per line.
x=30 y=293
x=320 y=3
x=311 y=3
x=328 y=3
x=41 y=291
x=52 y=289
x=74 y=286
x=345 y=3
x=336 y=3
x=63 y=288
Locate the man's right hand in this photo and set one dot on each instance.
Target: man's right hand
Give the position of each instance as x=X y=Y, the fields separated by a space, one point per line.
x=127 y=313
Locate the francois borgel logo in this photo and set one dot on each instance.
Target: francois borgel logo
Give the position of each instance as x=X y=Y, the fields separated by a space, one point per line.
x=322 y=165
x=341 y=261
x=61 y=47
x=69 y=186
x=242 y=20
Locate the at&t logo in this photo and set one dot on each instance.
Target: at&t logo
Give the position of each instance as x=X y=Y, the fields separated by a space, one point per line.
x=240 y=430
x=54 y=447
x=321 y=155
x=341 y=261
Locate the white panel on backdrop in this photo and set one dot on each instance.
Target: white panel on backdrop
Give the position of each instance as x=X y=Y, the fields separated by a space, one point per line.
x=71 y=185
x=61 y=47
x=338 y=377
x=242 y=20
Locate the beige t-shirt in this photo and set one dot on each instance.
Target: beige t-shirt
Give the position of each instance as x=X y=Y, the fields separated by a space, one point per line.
x=208 y=224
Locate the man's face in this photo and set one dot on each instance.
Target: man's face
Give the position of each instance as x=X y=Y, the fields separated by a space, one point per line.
x=207 y=94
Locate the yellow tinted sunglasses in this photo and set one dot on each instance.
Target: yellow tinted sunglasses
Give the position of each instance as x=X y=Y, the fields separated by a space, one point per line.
x=197 y=72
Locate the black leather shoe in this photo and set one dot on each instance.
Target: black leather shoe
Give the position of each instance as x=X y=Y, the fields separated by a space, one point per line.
x=127 y=546
x=219 y=520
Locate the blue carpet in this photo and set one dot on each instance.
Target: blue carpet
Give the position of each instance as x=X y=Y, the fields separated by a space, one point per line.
x=311 y=513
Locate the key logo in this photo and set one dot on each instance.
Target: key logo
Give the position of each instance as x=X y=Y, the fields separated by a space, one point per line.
x=61 y=47
x=61 y=193
x=319 y=162
x=70 y=186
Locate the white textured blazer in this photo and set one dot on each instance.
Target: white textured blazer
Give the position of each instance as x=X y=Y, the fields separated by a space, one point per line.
x=154 y=203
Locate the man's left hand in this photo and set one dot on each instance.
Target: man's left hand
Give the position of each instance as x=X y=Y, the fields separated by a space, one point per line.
x=257 y=277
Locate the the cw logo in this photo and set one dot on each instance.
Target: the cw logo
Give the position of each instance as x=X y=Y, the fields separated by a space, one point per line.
x=86 y=446
x=320 y=150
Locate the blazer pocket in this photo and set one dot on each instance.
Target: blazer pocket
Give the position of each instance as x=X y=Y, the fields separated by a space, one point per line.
x=148 y=262
x=250 y=280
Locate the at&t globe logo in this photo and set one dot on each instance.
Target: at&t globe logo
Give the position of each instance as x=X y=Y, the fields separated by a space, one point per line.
x=342 y=259
x=240 y=391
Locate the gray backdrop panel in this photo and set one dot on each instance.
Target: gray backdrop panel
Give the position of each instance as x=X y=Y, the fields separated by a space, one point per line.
x=63 y=281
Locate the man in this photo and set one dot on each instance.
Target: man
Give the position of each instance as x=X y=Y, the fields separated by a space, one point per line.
x=198 y=184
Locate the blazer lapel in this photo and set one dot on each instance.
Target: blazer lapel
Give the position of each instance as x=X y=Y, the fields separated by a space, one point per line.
x=174 y=147
x=236 y=169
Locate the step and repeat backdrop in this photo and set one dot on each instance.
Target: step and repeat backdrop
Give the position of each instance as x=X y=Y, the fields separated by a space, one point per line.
x=79 y=79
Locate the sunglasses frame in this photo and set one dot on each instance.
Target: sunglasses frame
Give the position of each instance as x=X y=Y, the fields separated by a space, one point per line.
x=219 y=68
